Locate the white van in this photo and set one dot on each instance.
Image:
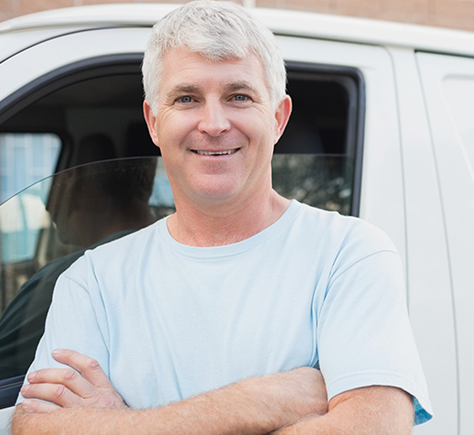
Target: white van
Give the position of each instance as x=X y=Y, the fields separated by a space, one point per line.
x=383 y=129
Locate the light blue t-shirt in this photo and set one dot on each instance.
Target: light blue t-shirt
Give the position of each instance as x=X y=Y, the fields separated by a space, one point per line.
x=168 y=321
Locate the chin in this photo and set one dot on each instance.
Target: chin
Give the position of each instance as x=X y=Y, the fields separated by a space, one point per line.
x=218 y=189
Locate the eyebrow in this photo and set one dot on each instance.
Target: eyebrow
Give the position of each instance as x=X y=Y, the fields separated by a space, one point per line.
x=229 y=87
x=181 y=89
x=239 y=86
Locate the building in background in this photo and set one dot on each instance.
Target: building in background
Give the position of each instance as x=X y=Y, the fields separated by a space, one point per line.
x=455 y=14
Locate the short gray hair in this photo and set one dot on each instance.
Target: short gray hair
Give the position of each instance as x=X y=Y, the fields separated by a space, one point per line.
x=218 y=30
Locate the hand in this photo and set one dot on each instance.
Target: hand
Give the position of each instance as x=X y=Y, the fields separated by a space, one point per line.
x=65 y=388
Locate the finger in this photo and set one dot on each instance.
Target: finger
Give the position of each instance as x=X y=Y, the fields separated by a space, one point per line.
x=88 y=367
x=66 y=377
x=32 y=406
x=57 y=394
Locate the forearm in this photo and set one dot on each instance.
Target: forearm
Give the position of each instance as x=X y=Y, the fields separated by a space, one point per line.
x=189 y=417
x=367 y=411
x=255 y=406
x=195 y=416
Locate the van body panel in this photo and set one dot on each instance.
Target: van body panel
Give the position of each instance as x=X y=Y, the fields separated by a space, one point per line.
x=430 y=299
x=448 y=84
x=59 y=52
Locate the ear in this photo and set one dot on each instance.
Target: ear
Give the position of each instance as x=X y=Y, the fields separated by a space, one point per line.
x=282 y=115
x=150 y=122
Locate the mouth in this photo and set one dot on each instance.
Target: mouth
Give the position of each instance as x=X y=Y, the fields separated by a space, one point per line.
x=216 y=153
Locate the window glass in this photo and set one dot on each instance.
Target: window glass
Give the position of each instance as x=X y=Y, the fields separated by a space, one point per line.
x=318 y=180
x=24 y=159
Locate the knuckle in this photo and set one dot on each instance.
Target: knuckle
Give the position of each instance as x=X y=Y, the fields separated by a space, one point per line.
x=91 y=364
x=109 y=400
x=37 y=376
x=59 y=391
x=106 y=402
x=69 y=375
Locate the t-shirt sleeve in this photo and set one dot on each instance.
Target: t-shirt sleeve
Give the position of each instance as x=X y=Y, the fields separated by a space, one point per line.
x=76 y=320
x=364 y=334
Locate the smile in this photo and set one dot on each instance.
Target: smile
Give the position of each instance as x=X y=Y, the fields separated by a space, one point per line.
x=216 y=153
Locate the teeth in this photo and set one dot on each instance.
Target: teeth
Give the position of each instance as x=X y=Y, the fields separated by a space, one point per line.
x=215 y=153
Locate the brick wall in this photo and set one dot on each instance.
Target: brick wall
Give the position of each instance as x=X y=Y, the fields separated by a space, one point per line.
x=458 y=14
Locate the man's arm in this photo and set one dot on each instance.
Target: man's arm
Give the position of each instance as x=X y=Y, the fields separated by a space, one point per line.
x=375 y=410
x=86 y=404
x=294 y=401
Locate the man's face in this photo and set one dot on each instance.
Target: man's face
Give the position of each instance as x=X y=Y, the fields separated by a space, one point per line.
x=216 y=126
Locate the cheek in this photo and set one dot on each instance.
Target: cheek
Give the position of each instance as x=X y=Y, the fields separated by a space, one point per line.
x=173 y=128
x=261 y=131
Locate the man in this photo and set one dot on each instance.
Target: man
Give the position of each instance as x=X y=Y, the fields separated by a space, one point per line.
x=211 y=320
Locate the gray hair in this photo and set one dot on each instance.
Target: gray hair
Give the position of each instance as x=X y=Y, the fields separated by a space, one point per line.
x=218 y=30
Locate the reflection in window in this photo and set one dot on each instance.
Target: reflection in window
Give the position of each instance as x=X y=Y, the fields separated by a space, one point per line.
x=24 y=160
x=319 y=180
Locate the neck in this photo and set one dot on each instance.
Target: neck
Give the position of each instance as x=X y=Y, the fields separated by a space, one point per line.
x=225 y=224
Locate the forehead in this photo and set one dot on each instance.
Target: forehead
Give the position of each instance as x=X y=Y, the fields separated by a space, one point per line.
x=185 y=68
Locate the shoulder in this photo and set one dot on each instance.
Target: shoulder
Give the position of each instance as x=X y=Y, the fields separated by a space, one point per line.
x=115 y=253
x=345 y=232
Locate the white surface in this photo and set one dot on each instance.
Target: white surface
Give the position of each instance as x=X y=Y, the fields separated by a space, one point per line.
x=13 y=42
x=429 y=288
x=5 y=419
x=448 y=84
x=58 y=52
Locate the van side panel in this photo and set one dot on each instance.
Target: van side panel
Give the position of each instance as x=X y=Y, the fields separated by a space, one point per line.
x=429 y=289
x=448 y=83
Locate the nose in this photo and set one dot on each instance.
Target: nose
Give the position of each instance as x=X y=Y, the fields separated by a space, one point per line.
x=214 y=120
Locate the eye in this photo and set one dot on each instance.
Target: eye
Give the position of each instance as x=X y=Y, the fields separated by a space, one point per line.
x=186 y=99
x=241 y=97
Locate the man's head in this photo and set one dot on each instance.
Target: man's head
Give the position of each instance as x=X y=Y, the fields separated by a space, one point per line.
x=218 y=31
x=216 y=114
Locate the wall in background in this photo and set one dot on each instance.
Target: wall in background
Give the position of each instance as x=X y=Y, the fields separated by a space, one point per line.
x=456 y=14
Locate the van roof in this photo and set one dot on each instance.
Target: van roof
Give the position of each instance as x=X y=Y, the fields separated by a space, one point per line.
x=282 y=22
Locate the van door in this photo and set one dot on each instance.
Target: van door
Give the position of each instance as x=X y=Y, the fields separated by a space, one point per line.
x=448 y=84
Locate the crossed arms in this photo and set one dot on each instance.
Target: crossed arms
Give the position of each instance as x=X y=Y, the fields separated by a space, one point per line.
x=293 y=402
